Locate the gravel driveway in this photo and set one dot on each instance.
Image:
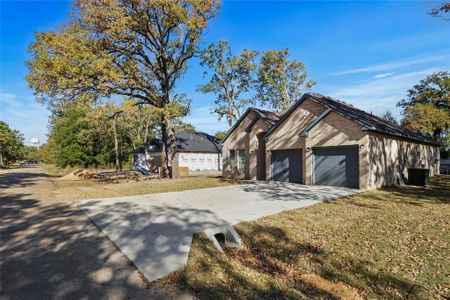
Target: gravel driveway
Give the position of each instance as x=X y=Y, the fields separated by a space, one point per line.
x=155 y=231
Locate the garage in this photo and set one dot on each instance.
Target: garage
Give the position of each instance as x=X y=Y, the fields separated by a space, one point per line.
x=286 y=165
x=336 y=166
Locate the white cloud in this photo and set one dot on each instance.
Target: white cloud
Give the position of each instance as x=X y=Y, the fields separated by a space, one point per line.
x=204 y=121
x=24 y=114
x=383 y=75
x=395 y=64
x=380 y=94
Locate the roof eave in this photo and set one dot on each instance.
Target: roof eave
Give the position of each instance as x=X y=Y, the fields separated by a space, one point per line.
x=286 y=115
x=402 y=136
x=241 y=119
x=236 y=124
x=304 y=132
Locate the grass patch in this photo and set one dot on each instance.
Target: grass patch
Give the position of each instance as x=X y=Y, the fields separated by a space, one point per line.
x=387 y=244
x=85 y=189
x=56 y=171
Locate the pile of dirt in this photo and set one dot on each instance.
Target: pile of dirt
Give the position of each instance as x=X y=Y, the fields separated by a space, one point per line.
x=107 y=176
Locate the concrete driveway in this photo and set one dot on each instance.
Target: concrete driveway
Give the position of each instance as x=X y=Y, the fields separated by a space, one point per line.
x=155 y=231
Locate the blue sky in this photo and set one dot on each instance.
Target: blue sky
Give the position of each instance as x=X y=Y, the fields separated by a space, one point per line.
x=367 y=53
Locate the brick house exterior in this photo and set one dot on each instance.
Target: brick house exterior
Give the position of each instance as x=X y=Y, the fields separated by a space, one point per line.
x=323 y=141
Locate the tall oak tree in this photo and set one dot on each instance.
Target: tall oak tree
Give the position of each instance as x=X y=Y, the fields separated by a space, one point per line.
x=134 y=48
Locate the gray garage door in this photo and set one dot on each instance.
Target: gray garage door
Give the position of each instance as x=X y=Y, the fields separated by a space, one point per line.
x=336 y=166
x=286 y=165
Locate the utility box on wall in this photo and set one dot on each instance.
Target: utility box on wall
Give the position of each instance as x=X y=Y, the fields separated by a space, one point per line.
x=418 y=176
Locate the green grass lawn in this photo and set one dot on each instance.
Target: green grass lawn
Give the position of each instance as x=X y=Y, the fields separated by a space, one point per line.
x=86 y=189
x=387 y=244
x=55 y=171
x=74 y=189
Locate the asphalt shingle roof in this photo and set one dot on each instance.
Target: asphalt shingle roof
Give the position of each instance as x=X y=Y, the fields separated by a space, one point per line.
x=368 y=121
x=189 y=142
x=197 y=142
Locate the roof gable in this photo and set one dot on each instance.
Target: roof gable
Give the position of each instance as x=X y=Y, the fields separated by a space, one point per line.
x=269 y=117
x=286 y=114
x=368 y=122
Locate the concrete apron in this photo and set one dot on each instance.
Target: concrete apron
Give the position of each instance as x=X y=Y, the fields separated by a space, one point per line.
x=155 y=231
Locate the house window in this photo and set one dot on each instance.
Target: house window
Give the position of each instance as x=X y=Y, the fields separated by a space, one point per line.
x=232 y=157
x=241 y=161
x=193 y=159
x=209 y=159
x=202 y=159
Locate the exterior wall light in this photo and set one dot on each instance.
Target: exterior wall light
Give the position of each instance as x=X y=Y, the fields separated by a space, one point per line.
x=361 y=146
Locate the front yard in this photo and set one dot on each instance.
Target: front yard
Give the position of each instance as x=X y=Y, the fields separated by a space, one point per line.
x=85 y=189
x=390 y=244
x=74 y=189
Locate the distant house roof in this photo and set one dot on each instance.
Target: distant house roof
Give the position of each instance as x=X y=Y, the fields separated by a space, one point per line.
x=188 y=142
x=269 y=116
x=367 y=121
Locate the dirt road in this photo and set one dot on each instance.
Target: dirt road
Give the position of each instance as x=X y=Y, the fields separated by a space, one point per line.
x=51 y=250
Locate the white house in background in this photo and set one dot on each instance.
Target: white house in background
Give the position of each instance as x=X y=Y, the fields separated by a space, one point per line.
x=197 y=151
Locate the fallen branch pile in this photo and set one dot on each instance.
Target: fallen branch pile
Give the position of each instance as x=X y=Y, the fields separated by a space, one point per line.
x=111 y=176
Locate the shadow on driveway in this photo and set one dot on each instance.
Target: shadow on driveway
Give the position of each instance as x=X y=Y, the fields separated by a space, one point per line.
x=155 y=231
x=53 y=251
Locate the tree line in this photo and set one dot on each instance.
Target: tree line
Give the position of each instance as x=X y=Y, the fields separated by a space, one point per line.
x=12 y=147
x=101 y=135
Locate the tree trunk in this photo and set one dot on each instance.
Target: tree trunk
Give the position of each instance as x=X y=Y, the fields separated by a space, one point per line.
x=1 y=159
x=116 y=145
x=168 y=142
x=437 y=134
x=120 y=155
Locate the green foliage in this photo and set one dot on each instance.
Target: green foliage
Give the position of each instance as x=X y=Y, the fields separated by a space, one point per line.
x=12 y=148
x=46 y=154
x=83 y=135
x=281 y=81
x=139 y=122
x=32 y=154
x=231 y=78
x=68 y=149
x=434 y=89
x=427 y=107
x=427 y=119
x=276 y=80
x=179 y=126
x=134 y=48
x=388 y=116
x=221 y=134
